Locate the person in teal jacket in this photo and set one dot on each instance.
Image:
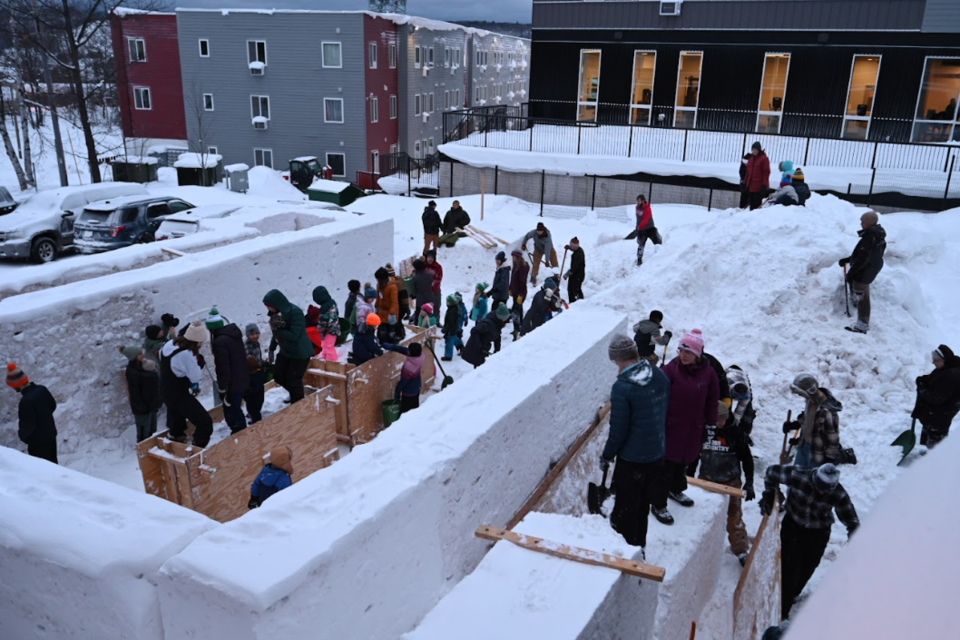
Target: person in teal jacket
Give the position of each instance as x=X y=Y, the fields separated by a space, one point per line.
x=787 y=176
x=289 y=329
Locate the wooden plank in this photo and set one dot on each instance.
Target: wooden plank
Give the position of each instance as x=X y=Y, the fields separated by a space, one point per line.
x=756 y=599
x=575 y=554
x=172 y=252
x=714 y=487
x=151 y=468
x=558 y=468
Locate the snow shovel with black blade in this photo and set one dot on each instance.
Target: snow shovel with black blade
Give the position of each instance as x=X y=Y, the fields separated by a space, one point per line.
x=447 y=380
x=846 y=290
x=633 y=235
x=907 y=440
x=597 y=495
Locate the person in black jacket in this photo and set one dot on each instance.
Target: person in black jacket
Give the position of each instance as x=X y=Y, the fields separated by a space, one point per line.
x=544 y=303
x=744 y=195
x=431 y=227
x=230 y=362
x=37 y=428
x=500 y=291
x=865 y=262
x=422 y=285
x=365 y=346
x=485 y=333
x=577 y=272
x=143 y=387
x=938 y=396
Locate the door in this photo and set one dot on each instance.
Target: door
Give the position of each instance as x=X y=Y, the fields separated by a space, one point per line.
x=300 y=175
x=155 y=215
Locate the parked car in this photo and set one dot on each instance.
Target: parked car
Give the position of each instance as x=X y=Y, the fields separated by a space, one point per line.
x=7 y=203
x=121 y=222
x=42 y=226
x=187 y=222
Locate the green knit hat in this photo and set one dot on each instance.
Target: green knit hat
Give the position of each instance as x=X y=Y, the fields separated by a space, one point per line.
x=483 y=286
x=452 y=299
x=215 y=320
x=131 y=352
x=502 y=312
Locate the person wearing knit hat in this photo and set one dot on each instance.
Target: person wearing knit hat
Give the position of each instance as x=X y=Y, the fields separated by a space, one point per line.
x=215 y=320
x=365 y=346
x=638 y=410
x=354 y=294
x=757 y=179
x=451 y=328
x=577 y=272
x=518 y=289
x=865 y=264
x=180 y=376
x=500 y=291
x=427 y=318
x=329 y=323
x=503 y=313
x=153 y=341
x=364 y=308
x=800 y=186
x=196 y=333
x=818 y=424
x=275 y=476
x=403 y=296
x=257 y=370
x=388 y=305
x=486 y=334
x=543 y=250
x=647 y=335
x=232 y=369
x=430 y=260
x=422 y=287
x=37 y=428
x=813 y=496
x=694 y=394
x=410 y=384
x=938 y=396
x=479 y=310
x=543 y=305
x=143 y=389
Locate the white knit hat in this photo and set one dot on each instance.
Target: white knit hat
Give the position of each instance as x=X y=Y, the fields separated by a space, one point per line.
x=196 y=332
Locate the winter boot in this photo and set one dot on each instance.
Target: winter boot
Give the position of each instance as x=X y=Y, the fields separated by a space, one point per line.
x=662 y=515
x=181 y=439
x=681 y=498
x=446 y=359
x=742 y=557
x=858 y=327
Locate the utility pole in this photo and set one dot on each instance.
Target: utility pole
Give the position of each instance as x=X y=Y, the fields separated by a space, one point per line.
x=52 y=103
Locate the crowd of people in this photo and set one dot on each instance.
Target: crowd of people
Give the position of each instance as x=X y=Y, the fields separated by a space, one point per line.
x=755 y=190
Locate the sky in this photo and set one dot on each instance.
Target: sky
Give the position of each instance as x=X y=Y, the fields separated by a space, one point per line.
x=453 y=10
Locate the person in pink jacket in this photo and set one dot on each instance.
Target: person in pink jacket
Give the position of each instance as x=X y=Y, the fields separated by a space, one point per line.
x=694 y=394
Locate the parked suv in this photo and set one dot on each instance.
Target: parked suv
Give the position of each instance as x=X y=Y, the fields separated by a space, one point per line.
x=42 y=227
x=121 y=222
x=7 y=203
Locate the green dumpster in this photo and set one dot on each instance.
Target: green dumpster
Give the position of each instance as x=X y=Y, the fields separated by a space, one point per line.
x=391 y=412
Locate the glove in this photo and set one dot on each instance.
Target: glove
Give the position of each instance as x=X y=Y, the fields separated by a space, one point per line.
x=195 y=388
x=766 y=503
x=790 y=425
x=794 y=442
x=844 y=262
x=604 y=464
x=520 y=300
x=668 y=335
x=252 y=504
x=523 y=247
x=751 y=494
x=169 y=320
x=391 y=319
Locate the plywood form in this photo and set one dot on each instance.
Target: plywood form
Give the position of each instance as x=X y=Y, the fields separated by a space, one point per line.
x=756 y=601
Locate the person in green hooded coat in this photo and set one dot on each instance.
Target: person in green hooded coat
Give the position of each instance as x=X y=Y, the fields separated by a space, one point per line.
x=289 y=329
x=329 y=323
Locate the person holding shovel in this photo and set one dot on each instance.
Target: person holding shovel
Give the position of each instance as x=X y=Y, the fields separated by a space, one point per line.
x=543 y=250
x=818 y=423
x=865 y=264
x=637 y=440
x=500 y=291
x=648 y=338
x=938 y=396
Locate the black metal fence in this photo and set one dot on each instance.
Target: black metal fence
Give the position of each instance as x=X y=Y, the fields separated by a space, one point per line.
x=403 y=173
x=509 y=128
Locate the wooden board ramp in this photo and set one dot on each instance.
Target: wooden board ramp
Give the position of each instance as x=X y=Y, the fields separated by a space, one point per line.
x=574 y=554
x=714 y=487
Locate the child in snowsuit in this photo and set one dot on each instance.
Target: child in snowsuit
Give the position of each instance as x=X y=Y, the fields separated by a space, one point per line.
x=451 y=329
x=143 y=386
x=257 y=368
x=426 y=319
x=365 y=347
x=328 y=324
x=313 y=329
x=350 y=306
x=408 y=388
x=724 y=451
x=274 y=477
x=464 y=314
x=479 y=311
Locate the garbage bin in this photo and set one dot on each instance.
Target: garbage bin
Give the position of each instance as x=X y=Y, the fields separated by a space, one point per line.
x=391 y=412
x=237 y=179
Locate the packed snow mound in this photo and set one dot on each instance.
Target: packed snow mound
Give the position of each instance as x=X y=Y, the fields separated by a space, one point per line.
x=266 y=182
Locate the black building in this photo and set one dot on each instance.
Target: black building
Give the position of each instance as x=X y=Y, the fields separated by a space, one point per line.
x=886 y=70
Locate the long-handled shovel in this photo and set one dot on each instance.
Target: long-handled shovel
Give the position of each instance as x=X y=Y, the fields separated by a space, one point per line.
x=784 y=452
x=564 y=262
x=663 y=361
x=846 y=290
x=447 y=380
x=907 y=440
x=597 y=495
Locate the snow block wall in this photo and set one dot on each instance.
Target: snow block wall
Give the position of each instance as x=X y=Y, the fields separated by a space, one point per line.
x=79 y=556
x=66 y=337
x=365 y=548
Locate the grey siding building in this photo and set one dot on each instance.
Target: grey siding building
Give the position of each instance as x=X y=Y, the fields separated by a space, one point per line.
x=499 y=70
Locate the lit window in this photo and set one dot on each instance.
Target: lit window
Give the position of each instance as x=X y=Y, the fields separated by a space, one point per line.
x=937 y=117
x=688 y=90
x=333 y=110
x=860 y=94
x=589 y=85
x=141 y=98
x=773 y=88
x=641 y=102
x=332 y=58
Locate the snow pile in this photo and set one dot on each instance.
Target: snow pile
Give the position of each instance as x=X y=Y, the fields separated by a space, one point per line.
x=266 y=182
x=79 y=556
x=138 y=160
x=240 y=166
x=470 y=455
x=197 y=160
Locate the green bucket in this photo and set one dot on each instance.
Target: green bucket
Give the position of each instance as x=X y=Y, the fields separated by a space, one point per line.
x=391 y=412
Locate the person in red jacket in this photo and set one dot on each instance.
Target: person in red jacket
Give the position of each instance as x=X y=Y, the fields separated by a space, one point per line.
x=757 y=180
x=430 y=259
x=645 y=226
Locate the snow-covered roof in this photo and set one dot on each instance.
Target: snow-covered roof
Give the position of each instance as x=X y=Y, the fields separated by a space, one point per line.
x=137 y=160
x=328 y=186
x=237 y=167
x=124 y=11
x=304 y=159
x=114 y=203
x=197 y=161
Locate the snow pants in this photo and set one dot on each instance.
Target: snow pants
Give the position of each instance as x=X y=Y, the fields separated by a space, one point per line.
x=800 y=555
x=736 y=530
x=44 y=449
x=233 y=414
x=931 y=436
x=430 y=239
x=636 y=485
x=641 y=245
x=185 y=407
x=289 y=374
x=538 y=259
x=451 y=342
x=756 y=199
x=253 y=397
x=408 y=402
x=861 y=298
x=146 y=425
x=673 y=479
x=329 y=351
x=575 y=289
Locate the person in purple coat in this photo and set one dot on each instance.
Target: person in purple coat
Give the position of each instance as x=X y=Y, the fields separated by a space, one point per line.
x=694 y=394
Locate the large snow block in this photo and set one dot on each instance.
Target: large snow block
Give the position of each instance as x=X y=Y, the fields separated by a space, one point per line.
x=66 y=337
x=365 y=548
x=79 y=556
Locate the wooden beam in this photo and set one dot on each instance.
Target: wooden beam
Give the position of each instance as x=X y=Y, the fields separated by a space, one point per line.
x=558 y=468
x=714 y=487
x=575 y=554
x=172 y=252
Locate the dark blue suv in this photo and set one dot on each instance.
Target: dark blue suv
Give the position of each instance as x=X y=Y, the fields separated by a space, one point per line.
x=121 y=222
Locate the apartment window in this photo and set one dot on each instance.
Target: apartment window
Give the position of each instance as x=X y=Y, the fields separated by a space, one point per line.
x=141 y=98
x=374 y=109
x=417 y=108
x=937 y=116
x=204 y=48
x=257 y=56
x=263 y=158
x=337 y=162
x=430 y=102
x=332 y=58
x=430 y=56
x=416 y=57
x=260 y=111
x=212 y=151
x=392 y=54
x=688 y=90
x=372 y=55
x=430 y=147
x=641 y=101
x=484 y=54
x=333 y=110
x=589 y=85
x=476 y=94
x=446 y=99
x=375 y=161
x=393 y=107
x=478 y=58
x=860 y=93
x=416 y=149
x=208 y=102
x=138 y=49
x=393 y=149
x=458 y=56
x=773 y=88
x=446 y=56
x=456 y=100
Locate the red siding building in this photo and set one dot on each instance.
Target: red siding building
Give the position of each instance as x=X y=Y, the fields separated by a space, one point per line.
x=382 y=89
x=149 y=86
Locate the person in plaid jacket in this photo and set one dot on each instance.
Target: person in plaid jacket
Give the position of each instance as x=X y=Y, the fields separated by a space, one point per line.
x=819 y=424
x=805 y=531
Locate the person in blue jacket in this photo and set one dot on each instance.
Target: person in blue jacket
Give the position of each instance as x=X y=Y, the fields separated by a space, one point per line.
x=274 y=477
x=365 y=347
x=637 y=440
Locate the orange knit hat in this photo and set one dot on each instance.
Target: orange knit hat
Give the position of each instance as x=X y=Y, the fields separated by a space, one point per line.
x=16 y=378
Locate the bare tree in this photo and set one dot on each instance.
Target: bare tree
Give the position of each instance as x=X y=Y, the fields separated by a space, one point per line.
x=199 y=124
x=387 y=6
x=8 y=144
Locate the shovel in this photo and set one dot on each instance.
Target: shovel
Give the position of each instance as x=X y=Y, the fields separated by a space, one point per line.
x=597 y=495
x=907 y=440
x=447 y=380
x=846 y=290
